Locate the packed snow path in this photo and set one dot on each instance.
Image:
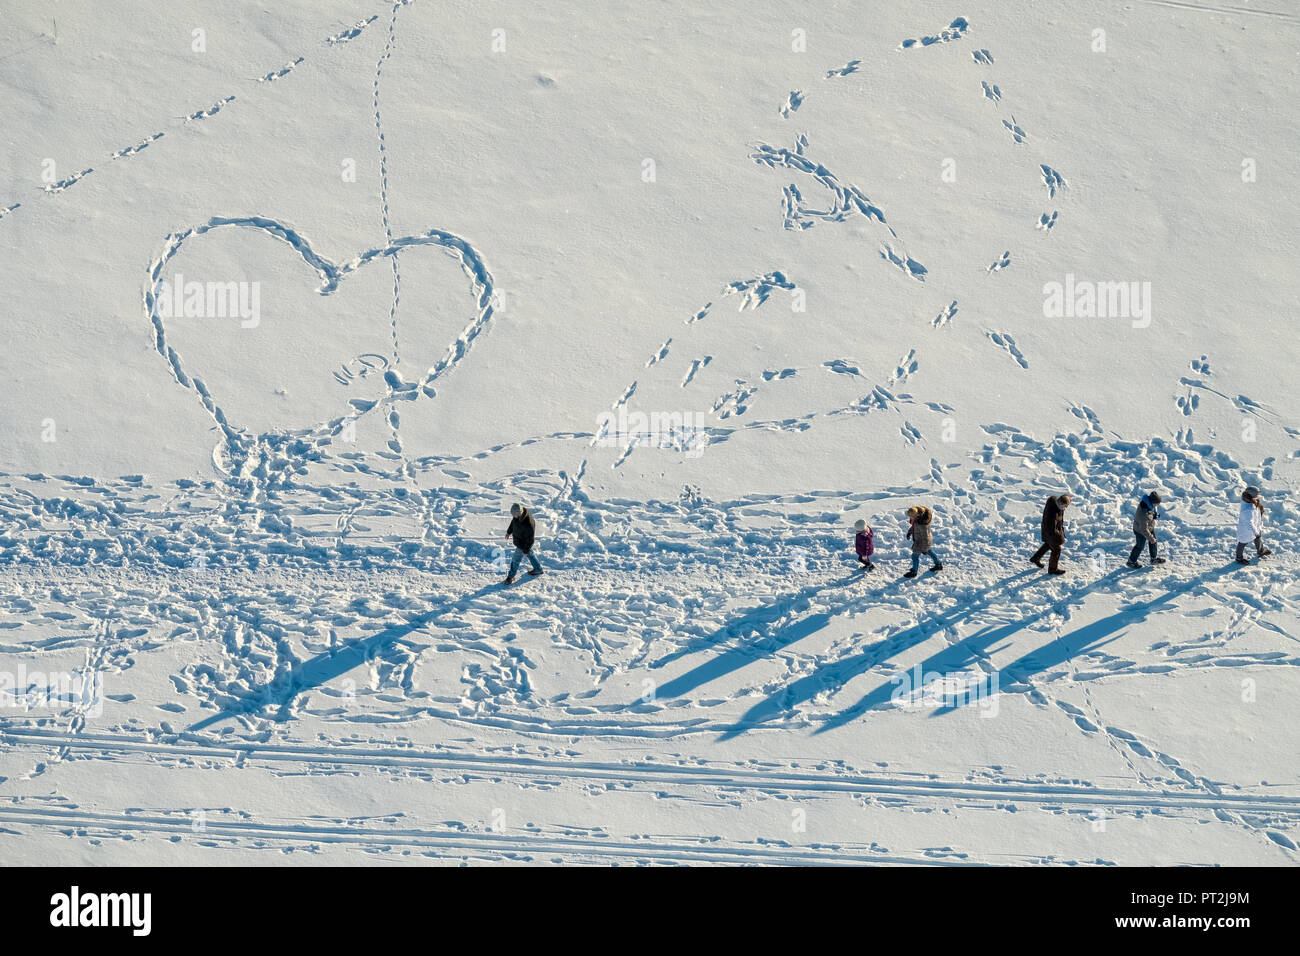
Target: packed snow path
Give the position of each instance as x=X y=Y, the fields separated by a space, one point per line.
x=648 y=672
x=818 y=243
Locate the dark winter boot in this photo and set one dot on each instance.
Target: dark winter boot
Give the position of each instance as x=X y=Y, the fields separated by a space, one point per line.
x=1262 y=551
x=1036 y=560
x=1241 y=554
x=1132 y=564
x=938 y=566
x=534 y=574
x=911 y=573
x=1157 y=560
x=509 y=580
x=1055 y=571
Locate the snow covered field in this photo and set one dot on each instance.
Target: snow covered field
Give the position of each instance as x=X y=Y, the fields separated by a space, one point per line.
x=301 y=297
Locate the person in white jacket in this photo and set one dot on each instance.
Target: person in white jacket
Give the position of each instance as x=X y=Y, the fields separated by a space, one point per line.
x=1250 y=525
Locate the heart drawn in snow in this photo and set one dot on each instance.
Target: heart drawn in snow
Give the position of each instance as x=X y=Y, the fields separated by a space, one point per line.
x=339 y=369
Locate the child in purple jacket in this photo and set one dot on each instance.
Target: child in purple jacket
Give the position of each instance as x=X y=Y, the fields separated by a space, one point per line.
x=865 y=544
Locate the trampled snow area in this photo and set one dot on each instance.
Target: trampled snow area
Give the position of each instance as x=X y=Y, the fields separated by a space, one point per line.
x=701 y=285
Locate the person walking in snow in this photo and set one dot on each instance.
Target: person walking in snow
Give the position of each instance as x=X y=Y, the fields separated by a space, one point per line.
x=1053 y=533
x=1144 y=527
x=864 y=542
x=919 y=520
x=522 y=530
x=1250 y=525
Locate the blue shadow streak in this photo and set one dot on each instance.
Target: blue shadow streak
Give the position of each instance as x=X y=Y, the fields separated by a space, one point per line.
x=323 y=668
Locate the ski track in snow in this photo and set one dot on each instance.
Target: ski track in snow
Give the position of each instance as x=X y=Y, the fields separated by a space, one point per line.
x=1212 y=8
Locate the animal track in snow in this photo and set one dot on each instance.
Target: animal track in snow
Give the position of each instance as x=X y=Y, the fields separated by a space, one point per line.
x=360 y=367
x=734 y=402
x=1088 y=415
x=955 y=31
x=72 y=180
x=1046 y=222
x=212 y=110
x=335 y=40
x=1052 y=180
x=792 y=103
x=842 y=367
x=352 y=33
x=991 y=92
x=132 y=150
x=622 y=399
x=1188 y=403
x=904 y=262
x=846 y=200
x=1018 y=134
x=772 y=374
x=696 y=365
x=982 y=57
x=946 y=316
x=277 y=74
x=1001 y=263
x=1202 y=365
x=660 y=355
x=1008 y=345
x=906 y=366
x=850 y=67
x=757 y=290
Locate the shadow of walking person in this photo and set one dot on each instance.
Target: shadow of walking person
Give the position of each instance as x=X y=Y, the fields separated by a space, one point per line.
x=308 y=675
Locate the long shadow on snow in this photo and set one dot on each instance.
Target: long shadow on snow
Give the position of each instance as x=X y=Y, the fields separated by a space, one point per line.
x=754 y=622
x=961 y=656
x=838 y=673
x=317 y=671
x=1087 y=637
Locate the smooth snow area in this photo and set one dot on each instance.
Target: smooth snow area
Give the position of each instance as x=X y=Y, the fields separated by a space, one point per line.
x=702 y=284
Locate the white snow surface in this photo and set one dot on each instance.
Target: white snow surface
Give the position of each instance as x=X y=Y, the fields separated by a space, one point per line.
x=812 y=245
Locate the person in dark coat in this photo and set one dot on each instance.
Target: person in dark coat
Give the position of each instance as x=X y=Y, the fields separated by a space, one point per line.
x=522 y=530
x=1053 y=533
x=1144 y=528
